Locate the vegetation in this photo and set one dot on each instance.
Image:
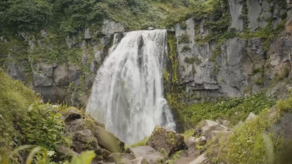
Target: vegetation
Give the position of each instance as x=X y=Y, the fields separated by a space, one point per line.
x=256 y=141
x=42 y=156
x=234 y=110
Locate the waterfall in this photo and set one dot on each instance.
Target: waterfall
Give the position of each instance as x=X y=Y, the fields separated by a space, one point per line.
x=127 y=94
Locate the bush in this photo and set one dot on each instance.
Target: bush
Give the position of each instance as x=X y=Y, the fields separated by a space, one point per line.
x=43 y=127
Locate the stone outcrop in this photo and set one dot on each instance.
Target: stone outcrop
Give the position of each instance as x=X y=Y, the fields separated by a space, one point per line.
x=86 y=135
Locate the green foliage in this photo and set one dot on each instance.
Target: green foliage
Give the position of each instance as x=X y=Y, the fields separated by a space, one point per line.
x=171 y=39
x=285 y=105
x=255 y=141
x=28 y=15
x=174 y=158
x=43 y=156
x=15 y=99
x=141 y=143
x=70 y=16
x=250 y=143
x=193 y=114
x=42 y=126
x=24 y=120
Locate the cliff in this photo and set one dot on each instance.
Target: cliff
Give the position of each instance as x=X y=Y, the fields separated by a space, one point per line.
x=225 y=49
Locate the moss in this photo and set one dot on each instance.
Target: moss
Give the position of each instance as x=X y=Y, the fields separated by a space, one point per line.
x=192 y=60
x=282 y=76
x=174 y=158
x=171 y=39
x=259 y=81
x=183 y=39
x=186 y=49
x=258 y=70
x=141 y=143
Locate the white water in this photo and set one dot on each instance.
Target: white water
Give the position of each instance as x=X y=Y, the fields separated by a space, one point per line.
x=127 y=95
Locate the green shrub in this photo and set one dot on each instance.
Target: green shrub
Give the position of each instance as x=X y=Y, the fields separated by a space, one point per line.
x=25 y=120
x=42 y=126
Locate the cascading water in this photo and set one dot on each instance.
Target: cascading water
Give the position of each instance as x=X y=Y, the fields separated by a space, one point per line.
x=127 y=95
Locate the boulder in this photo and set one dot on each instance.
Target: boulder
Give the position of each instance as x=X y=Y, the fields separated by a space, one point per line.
x=208 y=126
x=251 y=116
x=126 y=161
x=71 y=115
x=200 y=159
x=107 y=140
x=148 y=153
x=139 y=161
x=224 y=134
x=191 y=145
x=61 y=75
x=201 y=140
x=84 y=140
x=116 y=157
x=167 y=140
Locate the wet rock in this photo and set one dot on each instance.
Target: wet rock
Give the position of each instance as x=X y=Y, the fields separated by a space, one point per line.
x=167 y=140
x=148 y=153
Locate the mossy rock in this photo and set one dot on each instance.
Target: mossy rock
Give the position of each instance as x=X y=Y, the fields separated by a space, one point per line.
x=168 y=141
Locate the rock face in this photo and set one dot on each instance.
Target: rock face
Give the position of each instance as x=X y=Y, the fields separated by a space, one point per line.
x=164 y=140
x=237 y=66
x=66 y=81
x=236 y=7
